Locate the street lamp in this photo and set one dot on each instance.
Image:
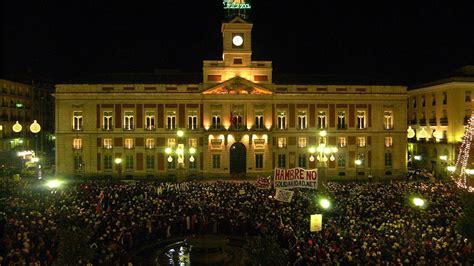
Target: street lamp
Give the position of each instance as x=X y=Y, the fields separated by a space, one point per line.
x=323 y=153
x=324 y=203
x=118 y=162
x=358 y=163
x=443 y=159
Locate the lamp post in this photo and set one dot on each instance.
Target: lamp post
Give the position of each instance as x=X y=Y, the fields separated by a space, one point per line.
x=118 y=162
x=35 y=128
x=323 y=153
x=358 y=163
x=180 y=152
x=443 y=159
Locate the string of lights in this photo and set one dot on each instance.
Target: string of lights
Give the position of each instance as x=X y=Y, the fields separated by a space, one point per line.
x=463 y=158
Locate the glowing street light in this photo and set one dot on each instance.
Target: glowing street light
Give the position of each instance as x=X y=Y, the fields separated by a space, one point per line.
x=418 y=202
x=180 y=133
x=451 y=168
x=118 y=160
x=55 y=183
x=325 y=203
x=358 y=162
x=443 y=157
x=417 y=157
x=323 y=133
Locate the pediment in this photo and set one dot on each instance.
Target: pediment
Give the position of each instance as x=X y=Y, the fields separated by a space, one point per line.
x=238 y=86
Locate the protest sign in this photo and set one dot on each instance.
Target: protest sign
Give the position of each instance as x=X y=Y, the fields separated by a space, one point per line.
x=284 y=195
x=295 y=178
x=263 y=182
x=316 y=223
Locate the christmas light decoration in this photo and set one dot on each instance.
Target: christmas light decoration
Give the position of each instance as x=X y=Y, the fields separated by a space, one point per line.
x=463 y=158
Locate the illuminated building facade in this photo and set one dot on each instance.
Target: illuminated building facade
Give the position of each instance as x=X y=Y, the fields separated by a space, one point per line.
x=238 y=118
x=438 y=113
x=26 y=101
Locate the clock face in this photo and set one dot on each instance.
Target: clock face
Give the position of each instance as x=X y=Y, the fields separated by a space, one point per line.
x=237 y=40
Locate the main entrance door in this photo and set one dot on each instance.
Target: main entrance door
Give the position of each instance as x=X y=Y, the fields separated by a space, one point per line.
x=238 y=160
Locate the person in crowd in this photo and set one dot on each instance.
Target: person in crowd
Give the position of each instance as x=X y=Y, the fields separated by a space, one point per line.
x=368 y=223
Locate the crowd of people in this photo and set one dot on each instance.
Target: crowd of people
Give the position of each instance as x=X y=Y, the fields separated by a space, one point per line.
x=367 y=223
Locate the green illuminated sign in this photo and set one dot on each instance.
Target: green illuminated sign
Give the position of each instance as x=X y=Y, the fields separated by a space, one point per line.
x=236 y=4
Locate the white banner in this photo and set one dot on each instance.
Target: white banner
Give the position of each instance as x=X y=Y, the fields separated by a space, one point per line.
x=284 y=195
x=295 y=177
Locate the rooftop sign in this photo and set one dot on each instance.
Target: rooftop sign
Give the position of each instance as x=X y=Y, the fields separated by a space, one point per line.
x=236 y=4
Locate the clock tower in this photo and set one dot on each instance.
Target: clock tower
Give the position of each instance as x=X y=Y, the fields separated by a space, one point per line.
x=237 y=42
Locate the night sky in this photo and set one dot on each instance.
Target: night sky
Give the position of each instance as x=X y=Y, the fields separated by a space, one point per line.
x=406 y=43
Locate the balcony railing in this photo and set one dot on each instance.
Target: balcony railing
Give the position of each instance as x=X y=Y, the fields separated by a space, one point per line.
x=238 y=127
x=443 y=121
x=216 y=128
x=433 y=121
x=339 y=126
x=413 y=122
x=423 y=122
x=129 y=128
x=150 y=128
x=108 y=128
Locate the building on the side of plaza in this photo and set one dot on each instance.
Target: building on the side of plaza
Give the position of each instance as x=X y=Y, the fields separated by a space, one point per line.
x=438 y=113
x=238 y=119
x=22 y=102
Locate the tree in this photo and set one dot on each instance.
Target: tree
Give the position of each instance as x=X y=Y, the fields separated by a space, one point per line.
x=264 y=250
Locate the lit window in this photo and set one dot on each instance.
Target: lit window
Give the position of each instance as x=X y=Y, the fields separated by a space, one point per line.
x=192 y=120
x=281 y=120
x=302 y=142
x=302 y=120
x=128 y=144
x=77 y=144
x=341 y=120
x=192 y=142
x=216 y=120
x=259 y=120
x=108 y=143
x=77 y=120
x=361 y=141
x=150 y=120
x=342 y=141
x=237 y=117
x=107 y=120
x=322 y=120
x=388 y=142
x=361 y=119
x=150 y=143
x=128 y=120
x=171 y=120
x=281 y=142
x=388 y=120
x=171 y=143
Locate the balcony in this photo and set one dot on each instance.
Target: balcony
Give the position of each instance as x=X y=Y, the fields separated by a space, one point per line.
x=258 y=128
x=238 y=128
x=129 y=128
x=388 y=127
x=413 y=122
x=433 y=121
x=107 y=147
x=77 y=147
x=77 y=128
x=342 y=127
x=108 y=128
x=423 y=122
x=217 y=128
x=150 y=128
x=443 y=121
